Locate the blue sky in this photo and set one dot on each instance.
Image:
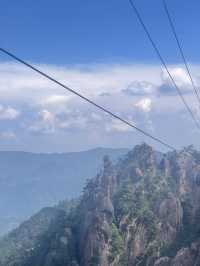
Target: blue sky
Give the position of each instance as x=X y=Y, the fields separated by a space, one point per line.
x=74 y=31
x=100 y=49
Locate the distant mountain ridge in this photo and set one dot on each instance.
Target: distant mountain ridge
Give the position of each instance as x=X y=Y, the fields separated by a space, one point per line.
x=142 y=211
x=30 y=181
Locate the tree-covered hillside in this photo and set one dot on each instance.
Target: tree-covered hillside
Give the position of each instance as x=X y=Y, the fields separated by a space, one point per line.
x=142 y=211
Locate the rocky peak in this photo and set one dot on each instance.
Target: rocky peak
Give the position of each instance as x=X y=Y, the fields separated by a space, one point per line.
x=107 y=178
x=140 y=152
x=140 y=161
x=141 y=211
x=145 y=157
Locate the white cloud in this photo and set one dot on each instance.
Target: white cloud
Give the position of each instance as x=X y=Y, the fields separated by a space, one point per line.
x=180 y=76
x=8 y=113
x=140 y=93
x=47 y=116
x=144 y=104
x=49 y=123
x=55 y=99
x=18 y=83
x=46 y=123
x=118 y=126
x=140 y=88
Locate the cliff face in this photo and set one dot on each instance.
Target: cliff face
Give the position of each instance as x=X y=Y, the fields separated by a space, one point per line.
x=143 y=211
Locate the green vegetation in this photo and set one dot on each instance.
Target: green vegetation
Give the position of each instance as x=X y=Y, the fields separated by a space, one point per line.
x=123 y=202
x=86 y=232
x=116 y=243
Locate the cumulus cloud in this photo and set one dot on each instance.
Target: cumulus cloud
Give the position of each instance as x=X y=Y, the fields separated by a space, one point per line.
x=46 y=123
x=144 y=104
x=179 y=74
x=94 y=81
x=140 y=88
x=8 y=113
x=55 y=99
x=25 y=85
x=142 y=94
x=180 y=77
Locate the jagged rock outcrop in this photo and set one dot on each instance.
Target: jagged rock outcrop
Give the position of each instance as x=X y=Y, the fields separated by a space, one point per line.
x=96 y=219
x=170 y=214
x=143 y=211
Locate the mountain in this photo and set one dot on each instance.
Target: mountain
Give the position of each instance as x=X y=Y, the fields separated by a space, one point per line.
x=29 y=182
x=142 y=211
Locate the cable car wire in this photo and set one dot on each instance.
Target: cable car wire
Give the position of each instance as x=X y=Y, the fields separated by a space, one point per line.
x=181 y=50
x=86 y=99
x=163 y=62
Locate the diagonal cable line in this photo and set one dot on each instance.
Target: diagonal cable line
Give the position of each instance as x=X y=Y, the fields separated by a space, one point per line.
x=163 y=63
x=181 y=50
x=86 y=99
